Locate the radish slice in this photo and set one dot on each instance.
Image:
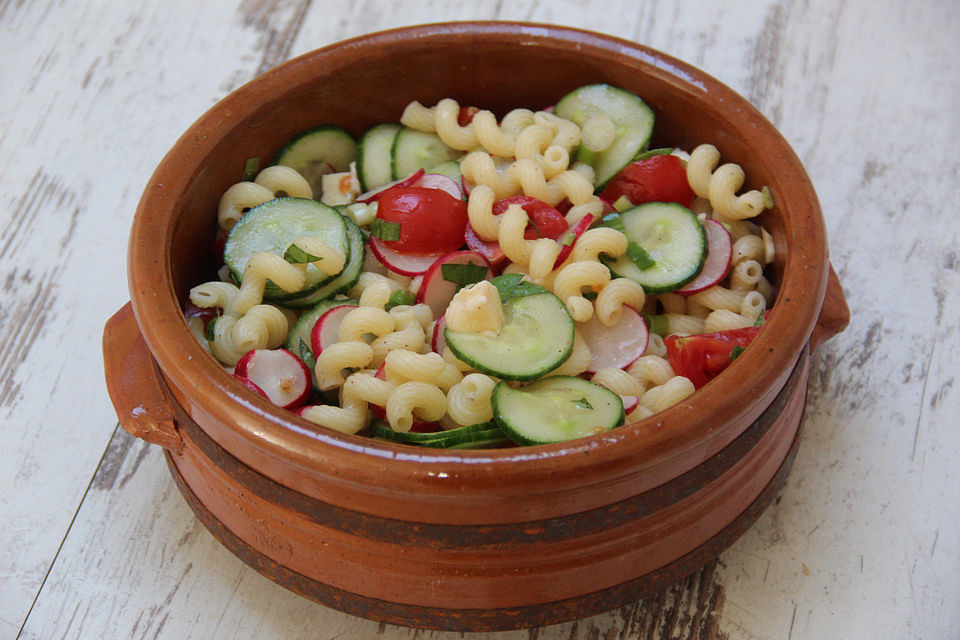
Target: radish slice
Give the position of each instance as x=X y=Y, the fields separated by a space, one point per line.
x=326 y=330
x=437 y=291
x=437 y=181
x=438 y=343
x=607 y=206
x=281 y=376
x=629 y=403
x=577 y=229
x=251 y=385
x=618 y=346
x=374 y=194
x=380 y=413
x=489 y=249
x=403 y=263
x=717 y=264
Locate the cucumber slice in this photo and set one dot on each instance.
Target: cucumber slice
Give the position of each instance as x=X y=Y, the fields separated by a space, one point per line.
x=672 y=237
x=374 y=156
x=631 y=115
x=413 y=150
x=436 y=439
x=486 y=439
x=555 y=409
x=273 y=226
x=451 y=169
x=536 y=338
x=347 y=278
x=311 y=151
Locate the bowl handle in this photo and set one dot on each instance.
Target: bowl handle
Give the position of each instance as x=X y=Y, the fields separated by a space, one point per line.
x=133 y=383
x=834 y=314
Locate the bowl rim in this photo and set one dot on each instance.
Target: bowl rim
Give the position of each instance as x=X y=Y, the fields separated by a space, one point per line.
x=654 y=441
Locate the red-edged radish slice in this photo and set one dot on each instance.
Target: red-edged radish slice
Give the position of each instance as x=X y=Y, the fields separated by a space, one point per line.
x=282 y=376
x=436 y=291
x=326 y=330
x=438 y=343
x=406 y=264
x=374 y=194
x=251 y=385
x=629 y=403
x=570 y=237
x=618 y=346
x=380 y=413
x=489 y=249
x=373 y=265
x=717 y=264
x=438 y=181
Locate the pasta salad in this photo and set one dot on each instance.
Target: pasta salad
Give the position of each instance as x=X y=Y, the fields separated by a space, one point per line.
x=454 y=280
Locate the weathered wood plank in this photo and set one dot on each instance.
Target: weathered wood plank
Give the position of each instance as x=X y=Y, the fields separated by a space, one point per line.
x=87 y=115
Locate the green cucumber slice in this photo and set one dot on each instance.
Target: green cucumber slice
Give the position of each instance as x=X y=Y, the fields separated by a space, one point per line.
x=413 y=150
x=273 y=226
x=311 y=151
x=451 y=169
x=672 y=236
x=631 y=116
x=347 y=278
x=374 y=156
x=454 y=436
x=536 y=338
x=555 y=409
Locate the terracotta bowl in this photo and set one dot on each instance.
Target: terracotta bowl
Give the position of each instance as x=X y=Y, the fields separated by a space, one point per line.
x=472 y=540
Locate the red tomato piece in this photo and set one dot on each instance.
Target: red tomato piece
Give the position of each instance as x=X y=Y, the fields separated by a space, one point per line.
x=545 y=221
x=489 y=249
x=702 y=357
x=466 y=114
x=432 y=222
x=656 y=179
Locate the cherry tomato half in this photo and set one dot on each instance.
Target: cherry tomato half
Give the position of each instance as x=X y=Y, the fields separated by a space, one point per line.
x=655 y=179
x=701 y=358
x=432 y=222
x=545 y=221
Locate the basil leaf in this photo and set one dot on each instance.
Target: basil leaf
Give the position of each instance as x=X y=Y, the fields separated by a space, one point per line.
x=638 y=256
x=463 y=274
x=735 y=353
x=583 y=404
x=384 y=230
x=296 y=255
x=398 y=298
x=511 y=285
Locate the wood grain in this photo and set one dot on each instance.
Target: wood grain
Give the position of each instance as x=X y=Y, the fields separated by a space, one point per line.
x=863 y=542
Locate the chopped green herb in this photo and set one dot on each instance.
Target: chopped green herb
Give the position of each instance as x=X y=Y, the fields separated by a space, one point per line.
x=536 y=229
x=759 y=321
x=463 y=274
x=583 y=404
x=653 y=152
x=622 y=204
x=511 y=285
x=614 y=221
x=659 y=325
x=385 y=230
x=209 y=330
x=250 y=168
x=296 y=255
x=398 y=298
x=568 y=238
x=735 y=353
x=639 y=257
x=306 y=354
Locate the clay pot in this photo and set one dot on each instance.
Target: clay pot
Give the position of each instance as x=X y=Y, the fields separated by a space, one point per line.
x=471 y=540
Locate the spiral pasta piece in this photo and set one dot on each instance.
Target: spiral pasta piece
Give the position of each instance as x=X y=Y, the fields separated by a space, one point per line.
x=237 y=199
x=364 y=321
x=469 y=401
x=415 y=400
x=613 y=297
x=570 y=281
x=667 y=394
x=579 y=360
x=593 y=242
x=365 y=387
x=724 y=320
x=720 y=185
x=339 y=356
x=618 y=381
x=214 y=294
x=284 y=181
x=651 y=370
x=412 y=366
x=351 y=418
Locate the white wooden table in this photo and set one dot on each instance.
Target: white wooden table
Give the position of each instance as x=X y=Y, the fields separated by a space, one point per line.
x=864 y=541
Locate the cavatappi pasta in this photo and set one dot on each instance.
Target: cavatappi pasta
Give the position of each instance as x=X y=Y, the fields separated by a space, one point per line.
x=370 y=327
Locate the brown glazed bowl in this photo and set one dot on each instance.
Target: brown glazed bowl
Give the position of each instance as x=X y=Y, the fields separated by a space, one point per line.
x=470 y=540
